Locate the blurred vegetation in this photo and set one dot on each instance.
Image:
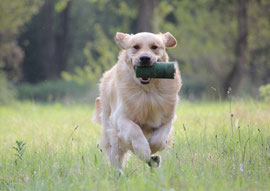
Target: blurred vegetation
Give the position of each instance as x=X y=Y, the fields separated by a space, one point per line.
x=221 y=43
x=56 y=91
x=265 y=92
x=13 y=15
x=7 y=91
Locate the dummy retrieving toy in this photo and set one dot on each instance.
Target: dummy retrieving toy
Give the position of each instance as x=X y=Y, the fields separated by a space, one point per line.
x=158 y=70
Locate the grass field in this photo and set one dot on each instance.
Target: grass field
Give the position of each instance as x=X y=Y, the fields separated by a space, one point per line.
x=215 y=152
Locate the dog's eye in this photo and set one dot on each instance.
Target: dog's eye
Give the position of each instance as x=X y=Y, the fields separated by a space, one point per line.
x=136 y=47
x=154 y=47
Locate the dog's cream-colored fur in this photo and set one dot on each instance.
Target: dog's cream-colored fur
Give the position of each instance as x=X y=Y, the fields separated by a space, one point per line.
x=134 y=116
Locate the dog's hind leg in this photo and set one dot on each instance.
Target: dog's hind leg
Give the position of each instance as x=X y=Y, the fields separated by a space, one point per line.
x=116 y=154
x=110 y=142
x=97 y=112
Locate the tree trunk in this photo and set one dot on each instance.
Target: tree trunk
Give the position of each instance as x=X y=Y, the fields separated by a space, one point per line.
x=62 y=40
x=145 y=15
x=47 y=53
x=235 y=76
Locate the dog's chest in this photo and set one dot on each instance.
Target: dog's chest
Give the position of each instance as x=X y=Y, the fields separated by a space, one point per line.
x=151 y=110
x=152 y=118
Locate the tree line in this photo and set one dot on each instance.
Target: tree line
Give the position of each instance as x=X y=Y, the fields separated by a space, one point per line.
x=222 y=43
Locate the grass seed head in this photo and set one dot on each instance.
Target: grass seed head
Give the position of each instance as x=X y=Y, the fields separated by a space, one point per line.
x=184 y=127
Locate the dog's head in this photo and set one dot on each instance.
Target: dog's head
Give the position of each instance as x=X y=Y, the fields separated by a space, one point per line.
x=144 y=49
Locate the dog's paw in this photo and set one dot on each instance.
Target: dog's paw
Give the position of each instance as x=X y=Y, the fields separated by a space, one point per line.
x=154 y=161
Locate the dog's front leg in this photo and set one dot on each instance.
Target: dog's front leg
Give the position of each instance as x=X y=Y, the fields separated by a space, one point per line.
x=131 y=134
x=159 y=139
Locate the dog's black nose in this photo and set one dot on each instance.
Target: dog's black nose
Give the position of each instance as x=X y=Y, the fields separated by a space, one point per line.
x=145 y=60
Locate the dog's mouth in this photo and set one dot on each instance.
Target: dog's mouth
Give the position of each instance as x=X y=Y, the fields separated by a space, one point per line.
x=144 y=81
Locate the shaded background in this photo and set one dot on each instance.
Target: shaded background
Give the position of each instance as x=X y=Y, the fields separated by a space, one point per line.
x=56 y=50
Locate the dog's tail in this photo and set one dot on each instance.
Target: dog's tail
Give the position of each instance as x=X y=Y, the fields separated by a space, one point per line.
x=97 y=112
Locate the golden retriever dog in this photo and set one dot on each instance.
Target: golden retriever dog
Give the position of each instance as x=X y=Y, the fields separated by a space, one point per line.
x=136 y=114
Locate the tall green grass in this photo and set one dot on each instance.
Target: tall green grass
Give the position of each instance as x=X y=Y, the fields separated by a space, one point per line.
x=217 y=150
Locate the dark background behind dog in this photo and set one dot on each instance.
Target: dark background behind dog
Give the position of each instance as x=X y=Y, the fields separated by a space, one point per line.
x=53 y=50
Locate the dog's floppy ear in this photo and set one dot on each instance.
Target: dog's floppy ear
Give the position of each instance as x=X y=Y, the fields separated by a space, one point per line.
x=121 y=39
x=169 y=40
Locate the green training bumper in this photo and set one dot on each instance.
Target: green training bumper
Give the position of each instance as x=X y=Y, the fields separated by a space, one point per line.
x=158 y=70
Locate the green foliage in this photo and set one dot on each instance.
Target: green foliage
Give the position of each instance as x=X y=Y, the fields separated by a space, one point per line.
x=100 y=55
x=95 y=36
x=61 y=5
x=7 y=92
x=19 y=148
x=13 y=15
x=192 y=89
x=207 y=30
x=265 y=92
x=55 y=90
x=206 y=37
x=204 y=156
